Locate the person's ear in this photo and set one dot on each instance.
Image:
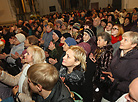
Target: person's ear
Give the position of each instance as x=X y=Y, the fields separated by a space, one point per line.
x=105 y=43
x=133 y=45
x=127 y=97
x=77 y=63
x=39 y=87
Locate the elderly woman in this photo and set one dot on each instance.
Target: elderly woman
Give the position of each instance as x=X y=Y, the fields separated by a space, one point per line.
x=124 y=66
x=74 y=66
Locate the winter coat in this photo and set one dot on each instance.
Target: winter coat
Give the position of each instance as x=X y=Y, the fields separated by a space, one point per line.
x=74 y=80
x=124 y=70
x=92 y=44
x=103 y=58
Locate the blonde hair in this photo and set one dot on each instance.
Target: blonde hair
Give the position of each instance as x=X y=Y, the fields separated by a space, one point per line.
x=51 y=25
x=44 y=74
x=38 y=54
x=132 y=35
x=80 y=55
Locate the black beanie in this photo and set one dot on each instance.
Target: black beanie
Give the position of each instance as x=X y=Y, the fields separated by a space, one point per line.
x=58 y=33
x=65 y=35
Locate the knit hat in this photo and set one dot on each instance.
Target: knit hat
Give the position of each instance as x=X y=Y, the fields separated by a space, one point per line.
x=70 y=41
x=86 y=47
x=59 y=21
x=58 y=33
x=66 y=35
x=71 y=22
x=89 y=31
x=20 y=37
x=104 y=20
x=77 y=26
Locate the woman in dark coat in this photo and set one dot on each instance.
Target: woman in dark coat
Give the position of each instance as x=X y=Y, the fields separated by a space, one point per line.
x=124 y=66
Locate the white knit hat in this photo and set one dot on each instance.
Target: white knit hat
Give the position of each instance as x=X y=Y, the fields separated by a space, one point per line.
x=21 y=38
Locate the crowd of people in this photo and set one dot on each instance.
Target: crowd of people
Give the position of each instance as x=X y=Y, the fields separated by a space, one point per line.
x=93 y=53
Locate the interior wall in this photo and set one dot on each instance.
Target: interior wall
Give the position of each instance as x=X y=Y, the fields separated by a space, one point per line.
x=44 y=6
x=6 y=12
x=102 y=3
x=129 y=4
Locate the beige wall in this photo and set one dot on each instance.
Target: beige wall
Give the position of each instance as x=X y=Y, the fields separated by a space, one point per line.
x=44 y=6
x=129 y=4
x=6 y=13
x=102 y=3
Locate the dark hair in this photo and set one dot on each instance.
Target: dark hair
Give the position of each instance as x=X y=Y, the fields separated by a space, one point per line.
x=33 y=40
x=128 y=19
x=106 y=36
x=111 y=22
x=89 y=23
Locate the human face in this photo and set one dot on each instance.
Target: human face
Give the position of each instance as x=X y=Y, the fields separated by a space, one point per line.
x=109 y=27
x=64 y=27
x=126 y=21
x=96 y=22
x=65 y=46
x=103 y=24
x=48 y=28
x=115 y=31
x=62 y=39
x=101 y=42
x=86 y=26
x=126 y=44
x=28 y=56
x=69 y=59
x=16 y=41
x=55 y=36
x=75 y=30
x=109 y=18
x=86 y=37
x=134 y=17
x=11 y=40
x=26 y=43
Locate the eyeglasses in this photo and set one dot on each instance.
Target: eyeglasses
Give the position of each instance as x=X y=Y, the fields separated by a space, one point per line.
x=115 y=29
x=29 y=81
x=134 y=100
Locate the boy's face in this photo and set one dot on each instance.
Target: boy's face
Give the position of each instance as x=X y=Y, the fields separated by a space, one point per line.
x=48 y=28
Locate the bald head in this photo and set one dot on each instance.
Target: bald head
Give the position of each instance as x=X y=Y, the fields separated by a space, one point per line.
x=133 y=89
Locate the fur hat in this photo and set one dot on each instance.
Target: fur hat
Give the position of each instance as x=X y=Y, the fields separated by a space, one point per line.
x=20 y=37
x=70 y=41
